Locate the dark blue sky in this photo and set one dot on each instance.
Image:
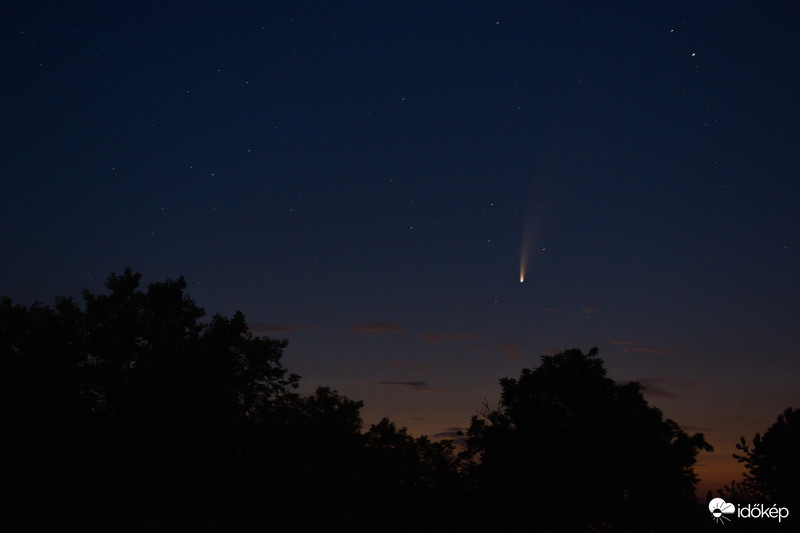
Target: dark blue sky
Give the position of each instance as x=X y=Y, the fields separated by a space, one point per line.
x=356 y=177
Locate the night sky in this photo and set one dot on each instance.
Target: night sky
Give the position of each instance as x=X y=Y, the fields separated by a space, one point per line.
x=365 y=179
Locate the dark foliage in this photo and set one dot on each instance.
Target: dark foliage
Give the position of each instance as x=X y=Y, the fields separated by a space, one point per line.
x=569 y=448
x=131 y=413
x=131 y=410
x=772 y=465
x=415 y=476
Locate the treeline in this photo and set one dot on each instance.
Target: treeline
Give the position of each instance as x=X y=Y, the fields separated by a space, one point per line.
x=131 y=413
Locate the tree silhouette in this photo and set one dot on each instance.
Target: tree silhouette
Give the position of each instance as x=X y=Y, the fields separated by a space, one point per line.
x=568 y=447
x=317 y=444
x=131 y=410
x=772 y=464
x=130 y=414
x=417 y=478
x=44 y=409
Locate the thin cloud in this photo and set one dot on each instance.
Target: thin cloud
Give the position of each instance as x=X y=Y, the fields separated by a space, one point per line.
x=266 y=328
x=651 y=389
x=447 y=435
x=453 y=434
x=443 y=337
x=512 y=351
x=376 y=327
x=645 y=349
x=421 y=386
x=655 y=386
x=632 y=346
x=263 y=328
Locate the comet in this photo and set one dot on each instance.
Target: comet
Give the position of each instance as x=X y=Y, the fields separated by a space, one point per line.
x=523 y=258
x=528 y=237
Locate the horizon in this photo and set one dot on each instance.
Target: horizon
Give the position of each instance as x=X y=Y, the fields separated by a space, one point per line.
x=400 y=400
x=425 y=199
